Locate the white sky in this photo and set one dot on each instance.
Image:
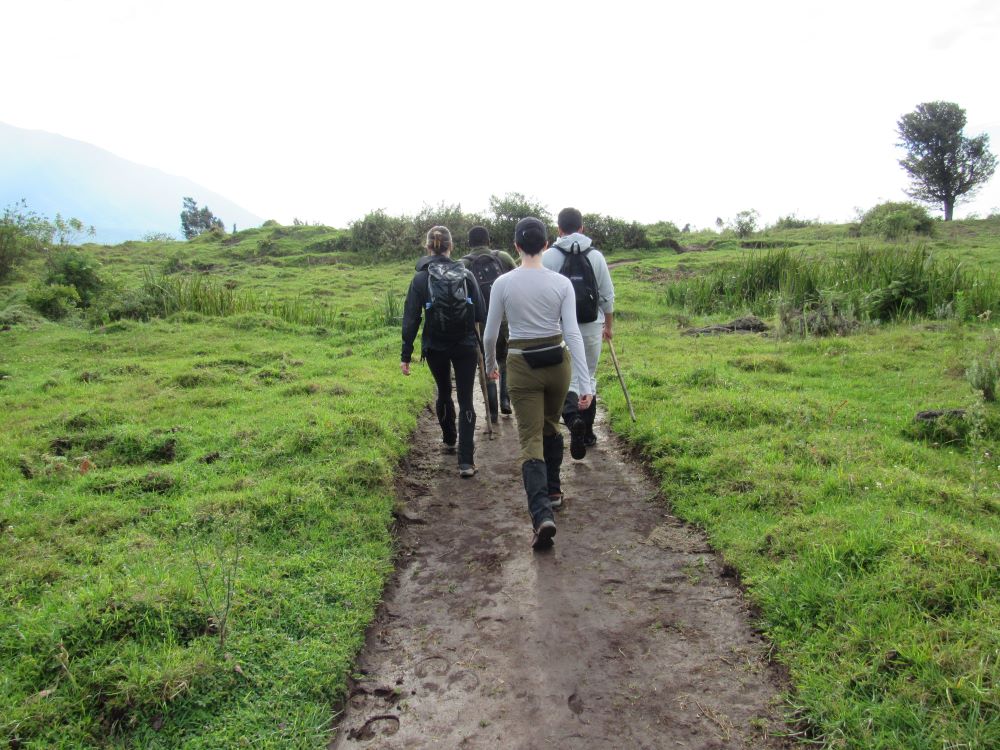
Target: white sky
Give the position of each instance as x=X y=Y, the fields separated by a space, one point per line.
x=685 y=112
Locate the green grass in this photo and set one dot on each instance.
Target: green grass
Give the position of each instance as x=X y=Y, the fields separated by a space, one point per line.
x=871 y=547
x=134 y=455
x=264 y=416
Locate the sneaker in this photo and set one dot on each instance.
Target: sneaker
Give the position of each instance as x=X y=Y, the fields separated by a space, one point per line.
x=543 y=534
x=505 y=406
x=448 y=448
x=466 y=470
x=555 y=499
x=577 y=433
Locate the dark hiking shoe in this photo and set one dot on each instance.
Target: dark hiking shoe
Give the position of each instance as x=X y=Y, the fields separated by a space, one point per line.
x=590 y=439
x=543 y=534
x=577 y=433
x=505 y=406
x=466 y=470
x=494 y=417
x=447 y=447
x=555 y=499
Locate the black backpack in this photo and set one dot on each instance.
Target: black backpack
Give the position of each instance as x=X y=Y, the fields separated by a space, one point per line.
x=449 y=309
x=487 y=268
x=577 y=269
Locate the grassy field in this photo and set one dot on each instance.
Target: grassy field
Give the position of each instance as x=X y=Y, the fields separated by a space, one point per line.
x=196 y=510
x=871 y=545
x=163 y=479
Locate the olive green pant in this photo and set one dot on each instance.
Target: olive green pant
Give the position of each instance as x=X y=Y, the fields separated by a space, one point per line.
x=537 y=396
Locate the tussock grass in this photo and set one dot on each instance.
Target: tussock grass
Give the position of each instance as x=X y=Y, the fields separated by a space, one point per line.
x=882 y=283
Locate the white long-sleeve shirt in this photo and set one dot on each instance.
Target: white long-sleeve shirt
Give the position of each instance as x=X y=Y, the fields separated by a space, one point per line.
x=537 y=303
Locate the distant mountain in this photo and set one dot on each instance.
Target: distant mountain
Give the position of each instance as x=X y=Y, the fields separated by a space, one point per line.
x=121 y=199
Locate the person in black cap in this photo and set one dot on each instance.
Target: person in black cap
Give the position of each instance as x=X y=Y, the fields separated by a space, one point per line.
x=487 y=265
x=540 y=308
x=447 y=292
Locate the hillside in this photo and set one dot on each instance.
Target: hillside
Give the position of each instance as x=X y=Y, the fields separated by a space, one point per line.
x=120 y=199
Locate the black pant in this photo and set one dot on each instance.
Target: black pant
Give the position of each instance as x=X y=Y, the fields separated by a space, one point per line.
x=464 y=360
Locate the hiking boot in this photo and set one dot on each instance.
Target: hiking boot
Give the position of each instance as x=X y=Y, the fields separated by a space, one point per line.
x=466 y=470
x=556 y=500
x=543 y=534
x=577 y=433
x=590 y=439
x=448 y=448
x=505 y=406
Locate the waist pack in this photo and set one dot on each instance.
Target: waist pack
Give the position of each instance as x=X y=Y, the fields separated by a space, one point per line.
x=543 y=356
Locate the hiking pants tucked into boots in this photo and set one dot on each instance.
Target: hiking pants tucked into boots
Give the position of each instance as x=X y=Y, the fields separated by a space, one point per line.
x=464 y=359
x=552 y=447
x=537 y=396
x=536 y=488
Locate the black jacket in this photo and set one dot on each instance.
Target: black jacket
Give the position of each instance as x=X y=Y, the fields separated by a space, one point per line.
x=416 y=300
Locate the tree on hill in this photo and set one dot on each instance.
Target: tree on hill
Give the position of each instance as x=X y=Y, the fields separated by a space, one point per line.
x=944 y=165
x=195 y=221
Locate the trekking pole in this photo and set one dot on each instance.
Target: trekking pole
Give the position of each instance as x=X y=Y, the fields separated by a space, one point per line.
x=482 y=383
x=618 y=369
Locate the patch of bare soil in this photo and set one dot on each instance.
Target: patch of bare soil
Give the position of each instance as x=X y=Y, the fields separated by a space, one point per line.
x=629 y=633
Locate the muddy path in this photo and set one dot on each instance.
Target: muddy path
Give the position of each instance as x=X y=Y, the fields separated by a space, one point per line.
x=629 y=633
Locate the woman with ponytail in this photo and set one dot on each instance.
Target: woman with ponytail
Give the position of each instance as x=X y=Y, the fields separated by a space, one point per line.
x=446 y=295
x=545 y=349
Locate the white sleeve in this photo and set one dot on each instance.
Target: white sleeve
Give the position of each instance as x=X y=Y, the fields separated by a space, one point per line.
x=572 y=337
x=492 y=330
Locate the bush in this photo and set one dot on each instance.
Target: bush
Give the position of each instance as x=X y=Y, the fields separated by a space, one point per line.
x=130 y=304
x=792 y=222
x=894 y=220
x=54 y=301
x=745 y=223
x=509 y=210
x=984 y=372
x=76 y=269
x=21 y=233
x=380 y=234
x=609 y=233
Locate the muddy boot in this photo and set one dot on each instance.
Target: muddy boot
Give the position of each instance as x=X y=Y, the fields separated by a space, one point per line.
x=536 y=488
x=504 y=395
x=577 y=423
x=466 y=441
x=589 y=438
x=445 y=411
x=491 y=393
x=552 y=448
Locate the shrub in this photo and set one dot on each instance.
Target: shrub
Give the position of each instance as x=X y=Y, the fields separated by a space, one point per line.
x=54 y=301
x=745 y=223
x=76 y=269
x=21 y=233
x=509 y=210
x=983 y=373
x=609 y=233
x=792 y=222
x=380 y=234
x=895 y=220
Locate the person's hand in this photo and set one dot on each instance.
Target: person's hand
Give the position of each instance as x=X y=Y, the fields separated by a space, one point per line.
x=583 y=403
x=495 y=375
x=606 y=332
x=404 y=367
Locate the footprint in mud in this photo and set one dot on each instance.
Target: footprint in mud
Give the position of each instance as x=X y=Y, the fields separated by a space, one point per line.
x=464 y=680
x=575 y=703
x=384 y=725
x=384 y=696
x=436 y=665
x=491 y=627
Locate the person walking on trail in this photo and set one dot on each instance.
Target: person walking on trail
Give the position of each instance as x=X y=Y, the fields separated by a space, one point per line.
x=446 y=294
x=575 y=256
x=540 y=308
x=487 y=265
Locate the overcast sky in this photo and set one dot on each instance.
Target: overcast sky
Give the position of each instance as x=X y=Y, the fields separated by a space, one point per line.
x=324 y=111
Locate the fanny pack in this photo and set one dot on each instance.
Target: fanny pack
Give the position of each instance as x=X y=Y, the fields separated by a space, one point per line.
x=542 y=356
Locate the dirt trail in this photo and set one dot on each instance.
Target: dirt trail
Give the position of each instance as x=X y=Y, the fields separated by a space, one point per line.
x=628 y=634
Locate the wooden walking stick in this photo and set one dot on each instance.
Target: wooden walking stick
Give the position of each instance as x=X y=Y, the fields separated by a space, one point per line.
x=482 y=384
x=618 y=369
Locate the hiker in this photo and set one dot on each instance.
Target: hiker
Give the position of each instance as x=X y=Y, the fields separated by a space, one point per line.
x=447 y=292
x=487 y=265
x=575 y=256
x=540 y=309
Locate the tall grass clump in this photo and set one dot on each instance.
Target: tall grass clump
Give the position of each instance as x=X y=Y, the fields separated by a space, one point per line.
x=880 y=283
